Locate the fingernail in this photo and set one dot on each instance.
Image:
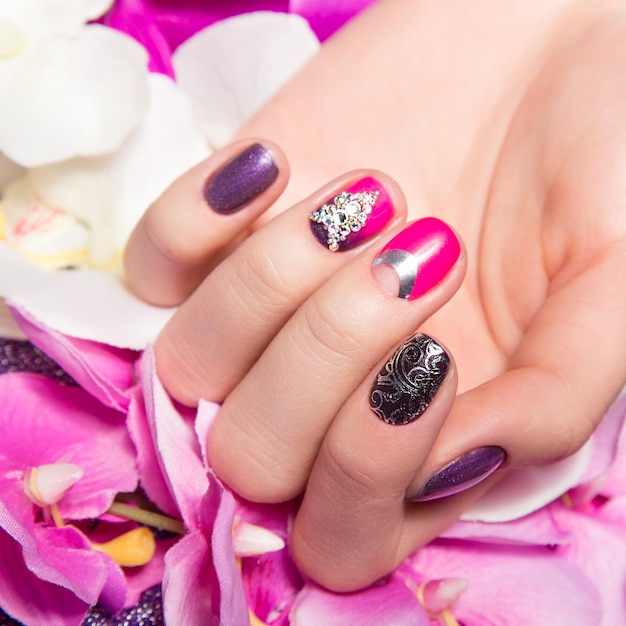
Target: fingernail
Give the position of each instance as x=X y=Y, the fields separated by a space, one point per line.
x=408 y=382
x=240 y=180
x=464 y=472
x=417 y=259
x=352 y=216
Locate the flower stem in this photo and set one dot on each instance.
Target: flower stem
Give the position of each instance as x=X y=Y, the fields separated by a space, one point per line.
x=149 y=518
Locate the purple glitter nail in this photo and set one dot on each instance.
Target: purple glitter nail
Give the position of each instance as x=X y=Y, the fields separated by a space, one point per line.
x=464 y=472
x=240 y=180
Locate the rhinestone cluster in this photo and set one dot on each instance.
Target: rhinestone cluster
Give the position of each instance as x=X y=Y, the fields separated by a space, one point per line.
x=347 y=214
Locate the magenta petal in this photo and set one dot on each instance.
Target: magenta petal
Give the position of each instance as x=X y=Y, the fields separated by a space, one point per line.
x=176 y=444
x=45 y=422
x=538 y=528
x=28 y=598
x=325 y=16
x=511 y=586
x=271 y=580
x=104 y=371
x=151 y=476
x=207 y=411
x=135 y=18
x=605 y=440
x=272 y=583
x=201 y=584
x=388 y=603
x=62 y=556
x=162 y=25
x=598 y=547
x=217 y=516
x=187 y=594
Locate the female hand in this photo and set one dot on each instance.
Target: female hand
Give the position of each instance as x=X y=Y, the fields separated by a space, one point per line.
x=507 y=121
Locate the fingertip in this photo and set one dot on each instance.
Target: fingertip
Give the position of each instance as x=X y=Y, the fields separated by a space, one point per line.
x=182 y=234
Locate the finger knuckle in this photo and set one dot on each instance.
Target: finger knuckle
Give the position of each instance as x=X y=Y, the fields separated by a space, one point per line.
x=351 y=471
x=333 y=333
x=172 y=244
x=259 y=281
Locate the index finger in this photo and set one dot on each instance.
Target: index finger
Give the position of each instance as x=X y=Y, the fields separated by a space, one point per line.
x=181 y=235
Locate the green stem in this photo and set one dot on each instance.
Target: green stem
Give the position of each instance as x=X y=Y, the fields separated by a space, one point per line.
x=149 y=518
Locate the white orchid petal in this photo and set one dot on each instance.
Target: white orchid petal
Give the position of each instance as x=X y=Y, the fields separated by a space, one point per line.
x=523 y=491
x=252 y=540
x=47 y=484
x=93 y=9
x=166 y=144
x=46 y=235
x=39 y=19
x=233 y=67
x=111 y=193
x=72 y=96
x=87 y=304
x=12 y=37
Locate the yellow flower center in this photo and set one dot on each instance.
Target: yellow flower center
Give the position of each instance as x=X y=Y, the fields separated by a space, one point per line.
x=132 y=549
x=11 y=38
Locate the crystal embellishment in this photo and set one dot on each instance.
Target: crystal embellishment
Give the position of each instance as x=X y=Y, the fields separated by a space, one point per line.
x=347 y=214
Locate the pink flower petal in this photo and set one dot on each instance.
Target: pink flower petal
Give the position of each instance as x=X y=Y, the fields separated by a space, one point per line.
x=538 y=528
x=62 y=556
x=177 y=21
x=598 y=548
x=104 y=371
x=177 y=448
x=390 y=602
x=325 y=16
x=45 y=422
x=511 y=585
x=207 y=411
x=151 y=475
x=28 y=598
x=605 y=440
x=271 y=582
x=201 y=584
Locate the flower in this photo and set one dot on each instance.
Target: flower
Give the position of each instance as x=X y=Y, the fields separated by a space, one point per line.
x=80 y=86
x=80 y=211
x=45 y=426
x=161 y=26
x=83 y=210
x=473 y=575
x=201 y=582
x=537 y=557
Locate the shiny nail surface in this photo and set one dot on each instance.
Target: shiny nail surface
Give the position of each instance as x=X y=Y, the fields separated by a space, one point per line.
x=352 y=216
x=464 y=472
x=409 y=380
x=421 y=256
x=240 y=180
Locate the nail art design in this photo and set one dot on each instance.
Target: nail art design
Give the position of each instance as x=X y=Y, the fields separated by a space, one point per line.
x=421 y=255
x=464 y=472
x=352 y=216
x=240 y=180
x=408 y=382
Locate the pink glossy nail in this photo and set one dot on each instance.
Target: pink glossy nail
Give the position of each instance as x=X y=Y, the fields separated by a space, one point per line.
x=352 y=216
x=417 y=259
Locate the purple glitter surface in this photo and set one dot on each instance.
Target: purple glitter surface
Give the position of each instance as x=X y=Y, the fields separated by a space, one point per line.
x=22 y=356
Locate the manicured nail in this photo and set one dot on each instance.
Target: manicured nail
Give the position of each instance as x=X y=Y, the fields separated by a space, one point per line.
x=408 y=382
x=464 y=472
x=240 y=180
x=352 y=216
x=417 y=259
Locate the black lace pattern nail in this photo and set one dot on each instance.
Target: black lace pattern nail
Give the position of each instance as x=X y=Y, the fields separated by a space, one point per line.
x=408 y=382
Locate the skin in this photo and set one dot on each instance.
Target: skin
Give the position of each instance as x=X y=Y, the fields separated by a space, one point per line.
x=508 y=121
